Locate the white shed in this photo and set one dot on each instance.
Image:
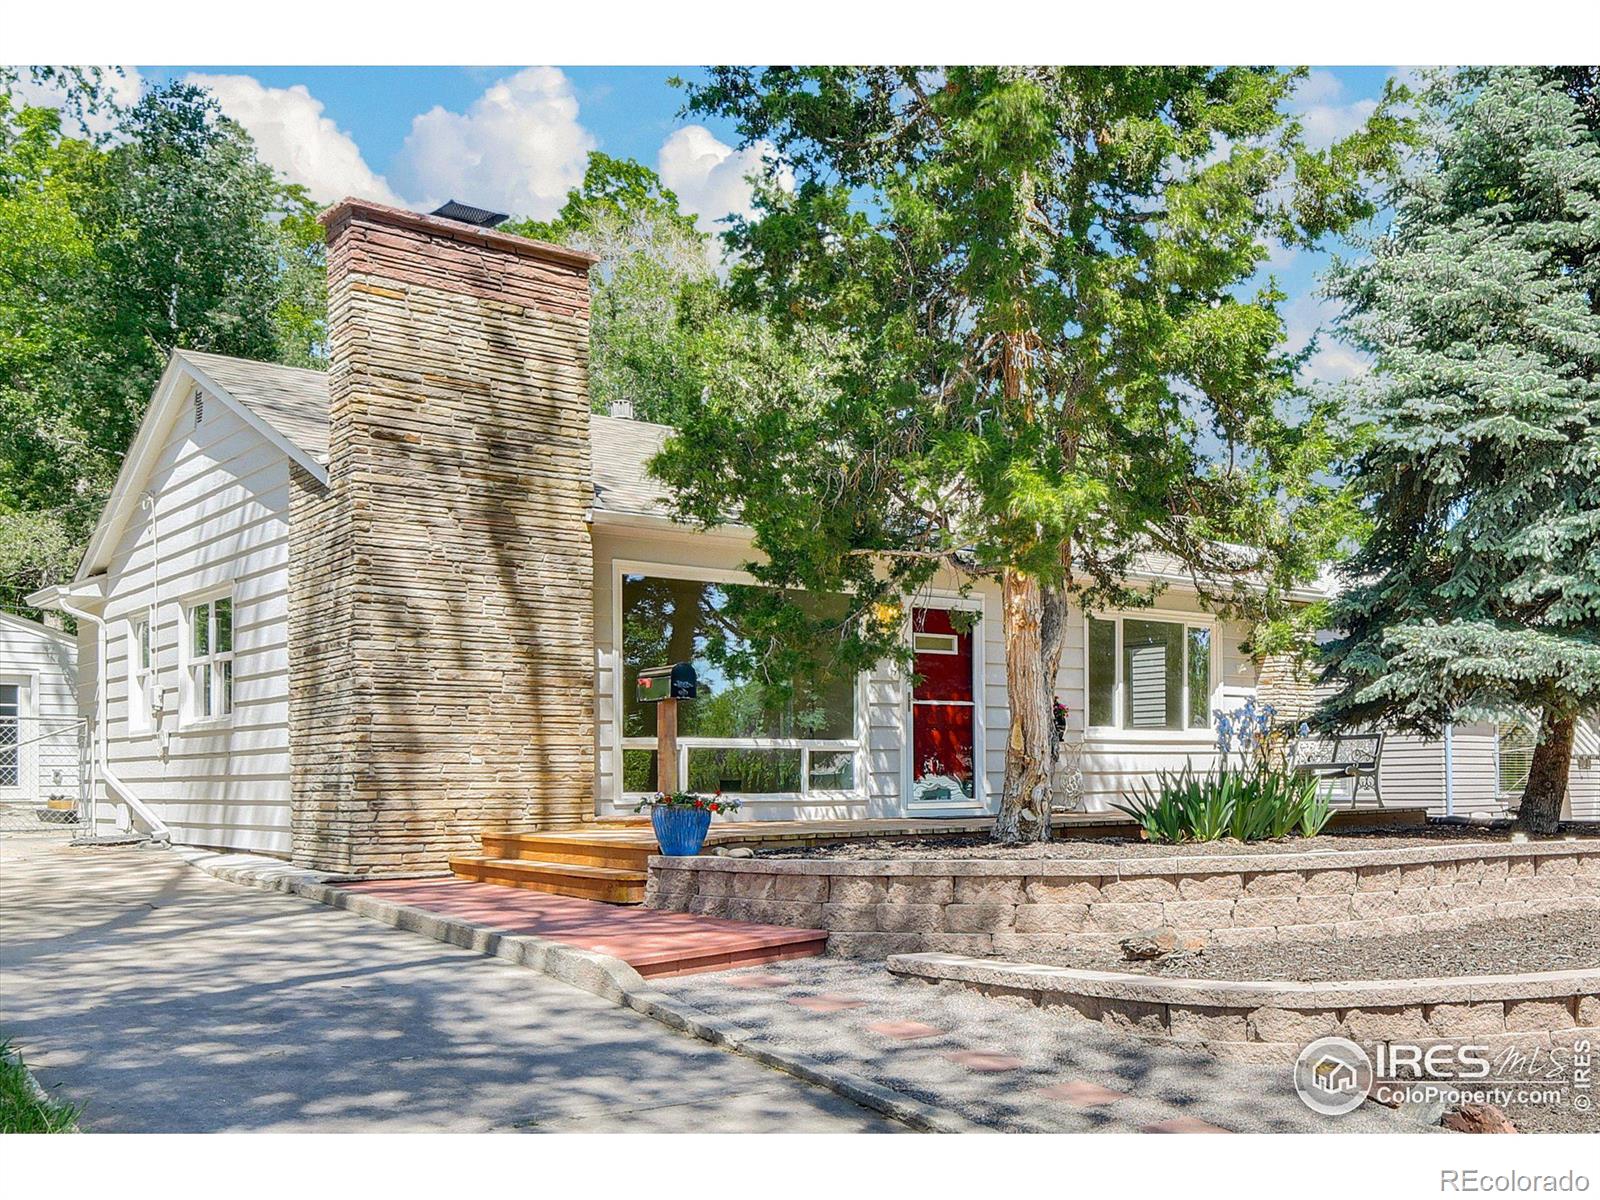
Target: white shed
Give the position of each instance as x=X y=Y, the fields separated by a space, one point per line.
x=39 y=725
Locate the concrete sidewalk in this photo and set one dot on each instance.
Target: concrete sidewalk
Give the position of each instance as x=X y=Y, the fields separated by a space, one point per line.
x=168 y=1001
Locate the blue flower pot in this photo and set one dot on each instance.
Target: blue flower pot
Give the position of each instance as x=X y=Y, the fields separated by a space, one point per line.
x=680 y=831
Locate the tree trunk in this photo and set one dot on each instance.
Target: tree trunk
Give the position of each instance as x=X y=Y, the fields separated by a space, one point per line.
x=1033 y=620
x=1547 y=775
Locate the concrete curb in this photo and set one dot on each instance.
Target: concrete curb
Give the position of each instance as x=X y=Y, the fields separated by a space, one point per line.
x=600 y=974
x=1246 y=993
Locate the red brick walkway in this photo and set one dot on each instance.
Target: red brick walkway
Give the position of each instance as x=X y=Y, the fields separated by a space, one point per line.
x=651 y=942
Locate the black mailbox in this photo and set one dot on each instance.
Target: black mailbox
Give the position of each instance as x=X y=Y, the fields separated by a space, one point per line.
x=675 y=682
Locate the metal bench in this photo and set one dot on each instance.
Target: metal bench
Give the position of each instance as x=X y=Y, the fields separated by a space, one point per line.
x=1356 y=757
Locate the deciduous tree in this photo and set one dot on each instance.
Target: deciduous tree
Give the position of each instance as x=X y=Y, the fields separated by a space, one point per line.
x=652 y=258
x=168 y=232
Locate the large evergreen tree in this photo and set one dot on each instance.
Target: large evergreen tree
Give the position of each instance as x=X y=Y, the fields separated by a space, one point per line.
x=1043 y=352
x=1478 y=591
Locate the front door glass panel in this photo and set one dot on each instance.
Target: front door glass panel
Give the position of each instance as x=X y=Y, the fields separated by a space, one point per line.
x=943 y=735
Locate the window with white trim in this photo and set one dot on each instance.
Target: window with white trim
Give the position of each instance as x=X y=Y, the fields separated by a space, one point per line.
x=735 y=737
x=141 y=674
x=208 y=666
x=1150 y=674
x=10 y=735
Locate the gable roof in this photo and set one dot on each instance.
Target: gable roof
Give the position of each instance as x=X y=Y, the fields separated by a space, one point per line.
x=289 y=407
x=280 y=403
x=292 y=400
x=24 y=625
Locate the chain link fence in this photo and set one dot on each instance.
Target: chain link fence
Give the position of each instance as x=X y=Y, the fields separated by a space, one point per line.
x=44 y=764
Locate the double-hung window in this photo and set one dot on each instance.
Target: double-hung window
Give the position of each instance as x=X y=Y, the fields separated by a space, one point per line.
x=208 y=682
x=141 y=673
x=742 y=735
x=1147 y=673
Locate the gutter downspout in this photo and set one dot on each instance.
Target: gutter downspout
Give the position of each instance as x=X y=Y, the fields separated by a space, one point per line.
x=158 y=828
x=1449 y=770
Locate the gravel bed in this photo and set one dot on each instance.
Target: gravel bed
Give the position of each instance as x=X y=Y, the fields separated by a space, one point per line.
x=1510 y=947
x=1557 y=1116
x=977 y=847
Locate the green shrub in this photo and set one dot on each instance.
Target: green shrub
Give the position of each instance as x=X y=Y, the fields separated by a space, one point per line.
x=1255 y=805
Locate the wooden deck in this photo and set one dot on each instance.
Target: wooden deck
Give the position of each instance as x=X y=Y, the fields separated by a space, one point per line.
x=608 y=859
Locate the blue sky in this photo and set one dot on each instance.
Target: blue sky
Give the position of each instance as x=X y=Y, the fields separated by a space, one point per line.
x=516 y=138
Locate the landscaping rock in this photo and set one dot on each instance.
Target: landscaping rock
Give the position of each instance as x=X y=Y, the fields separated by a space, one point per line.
x=1158 y=943
x=741 y=852
x=1426 y=1109
x=1478 y=1118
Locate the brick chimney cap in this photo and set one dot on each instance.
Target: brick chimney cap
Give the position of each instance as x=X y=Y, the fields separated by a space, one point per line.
x=385 y=214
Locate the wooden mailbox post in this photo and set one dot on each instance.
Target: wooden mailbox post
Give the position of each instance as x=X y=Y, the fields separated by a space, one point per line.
x=664 y=687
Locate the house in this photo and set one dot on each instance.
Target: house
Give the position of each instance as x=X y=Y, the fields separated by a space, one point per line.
x=39 y=726
x=358 y=618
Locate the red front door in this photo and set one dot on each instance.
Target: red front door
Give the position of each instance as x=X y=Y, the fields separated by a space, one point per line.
x=943 y=735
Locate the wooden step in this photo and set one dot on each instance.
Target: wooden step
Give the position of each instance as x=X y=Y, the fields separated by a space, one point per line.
x=630 y=854
x=689 y=960
x=610 y=884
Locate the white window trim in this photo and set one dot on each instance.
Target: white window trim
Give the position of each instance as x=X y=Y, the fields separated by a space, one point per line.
x=979 y=803
x=27 y=708
x=1120 y=732
x=806 y=795
x=188 y=720
x=140 y=680
x=951 y=647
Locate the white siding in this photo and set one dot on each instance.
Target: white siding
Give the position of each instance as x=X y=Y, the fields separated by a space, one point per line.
x=43 y=663
x=1116 y=763
x=1412 y=771
x=1583 y=785
x=222 y=500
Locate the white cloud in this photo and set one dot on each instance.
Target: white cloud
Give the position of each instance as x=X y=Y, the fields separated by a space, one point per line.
x=519 y=148
x=709 y=175
x=1280 y=257
x=1307 y=316
x=292 y=135
x=1319 y=87
x=121 y=85
x=1325 y=113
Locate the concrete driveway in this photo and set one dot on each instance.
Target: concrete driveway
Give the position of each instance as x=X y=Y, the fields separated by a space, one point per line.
x=168 y=1001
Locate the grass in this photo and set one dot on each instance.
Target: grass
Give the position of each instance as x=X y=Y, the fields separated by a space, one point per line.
x=22 y=1110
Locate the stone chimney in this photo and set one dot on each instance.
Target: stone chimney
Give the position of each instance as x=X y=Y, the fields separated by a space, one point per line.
x=441 y=640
